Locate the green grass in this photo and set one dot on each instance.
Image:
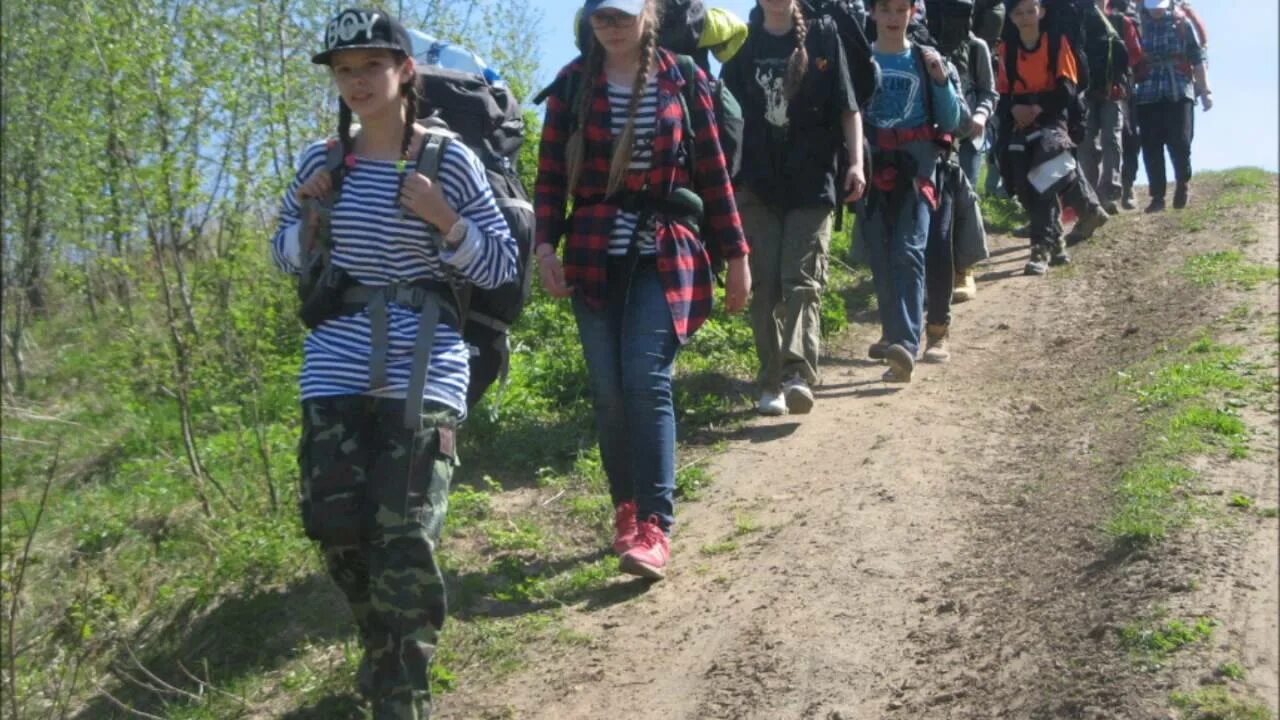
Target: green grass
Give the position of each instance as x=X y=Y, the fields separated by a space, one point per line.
x=719 y=548
x=1217 y=703
x=1244 y=502
x=1190 y=399
x=1226 y=267
x=1002 y=215
x=744 y=524
x=1231 y=670
x=1153 y=639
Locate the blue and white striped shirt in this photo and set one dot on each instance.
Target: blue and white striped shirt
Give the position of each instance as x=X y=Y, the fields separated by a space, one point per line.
x=378 y=243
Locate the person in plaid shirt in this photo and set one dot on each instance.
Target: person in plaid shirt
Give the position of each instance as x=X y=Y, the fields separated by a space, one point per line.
x=1171 y=76
x=635 y=262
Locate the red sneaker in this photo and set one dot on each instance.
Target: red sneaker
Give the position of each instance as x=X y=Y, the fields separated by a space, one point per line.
x=648 y=557
x=624 y=527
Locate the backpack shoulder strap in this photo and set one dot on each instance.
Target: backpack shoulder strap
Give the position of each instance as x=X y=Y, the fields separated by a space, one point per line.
x=431 y=154
x=688 y=101
x=926 y=82
x=334 y=165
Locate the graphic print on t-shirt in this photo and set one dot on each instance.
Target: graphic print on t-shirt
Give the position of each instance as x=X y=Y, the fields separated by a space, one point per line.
x=771 y=74
x=898 y=95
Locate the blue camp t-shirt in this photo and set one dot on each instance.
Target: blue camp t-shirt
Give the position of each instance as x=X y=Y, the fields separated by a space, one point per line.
x=899 y=102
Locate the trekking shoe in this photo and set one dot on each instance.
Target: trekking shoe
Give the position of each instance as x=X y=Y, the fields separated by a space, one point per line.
x=1127 y=201
x=1111 y=207
x=935 y=350
x=1022 y=231
x=1039 y=262
x=648 y=557
x=624 y=526
x=878 y=348
x=1087 y=226
x=799 y=396
x=901 y=364
x=1157 y=205
x=1057 y=255
x=1180 y=196
x=403 y=706
x=771 y=404
x=965 y=288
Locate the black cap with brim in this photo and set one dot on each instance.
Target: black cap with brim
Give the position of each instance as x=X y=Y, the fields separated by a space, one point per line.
x=356 y=29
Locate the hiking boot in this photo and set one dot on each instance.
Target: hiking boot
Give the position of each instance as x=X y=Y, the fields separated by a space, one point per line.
x=1127 y=201
x=771 y=404
x=624 y=526
x=1022 y=231
x=403 y=706
x=901 y=364
x=935 y=350
x=965 y=288
x=1039 y=262
x=1111 y=207
x=1157 y=205
x=648 y=557
x=799 y=396
x=1059 y=257
x=1180 y=196
x=878 y=348
x=1087 y=226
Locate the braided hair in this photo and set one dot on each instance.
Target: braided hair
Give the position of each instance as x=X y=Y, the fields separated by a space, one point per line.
x=798 y=63
x=575 y=152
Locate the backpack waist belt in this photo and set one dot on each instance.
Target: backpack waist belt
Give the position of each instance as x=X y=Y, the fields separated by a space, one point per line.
x=433 y=299
x=682 y=204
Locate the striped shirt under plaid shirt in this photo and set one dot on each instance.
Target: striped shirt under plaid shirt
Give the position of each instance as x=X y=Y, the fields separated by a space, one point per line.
x=683 y=264
x=1170 y=51
x=641 y=158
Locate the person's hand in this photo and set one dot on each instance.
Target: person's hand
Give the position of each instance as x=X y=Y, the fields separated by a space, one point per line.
x=936 y=66
x=1025 y=115
x=1206 y=99
x=978 y=127
x=855 y=183
x=737 y=284
x=426 y=200
x=551 y=272
x=316 y=186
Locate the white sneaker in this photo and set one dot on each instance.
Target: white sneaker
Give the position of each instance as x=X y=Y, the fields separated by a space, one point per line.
x=771 y=404
x=799 y=396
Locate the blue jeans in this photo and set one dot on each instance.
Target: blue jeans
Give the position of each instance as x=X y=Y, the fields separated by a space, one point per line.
x=630 y=347
x=895 y=249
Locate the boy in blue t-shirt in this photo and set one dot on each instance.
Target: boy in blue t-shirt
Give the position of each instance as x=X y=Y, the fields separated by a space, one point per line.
x=916 y=100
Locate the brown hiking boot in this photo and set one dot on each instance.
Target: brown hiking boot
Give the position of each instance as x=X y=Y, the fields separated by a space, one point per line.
x=901 y=364
x=878 y=348
x=965 y=288
x=935 y=350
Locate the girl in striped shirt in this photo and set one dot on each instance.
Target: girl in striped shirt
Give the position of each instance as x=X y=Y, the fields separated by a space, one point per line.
x=375 y=469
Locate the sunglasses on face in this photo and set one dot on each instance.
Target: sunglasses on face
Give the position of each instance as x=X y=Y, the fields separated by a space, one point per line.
x=621 y=21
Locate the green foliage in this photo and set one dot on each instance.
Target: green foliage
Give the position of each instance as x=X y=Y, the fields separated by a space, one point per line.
x=1227 y=267
x=1217 y=703
x=1231 y=670
x=1152 y=640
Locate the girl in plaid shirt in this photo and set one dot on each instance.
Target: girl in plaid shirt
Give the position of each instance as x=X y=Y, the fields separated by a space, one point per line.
x=635 y=262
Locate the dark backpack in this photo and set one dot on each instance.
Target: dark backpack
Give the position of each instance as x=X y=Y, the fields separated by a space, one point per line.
x=1107 y=54
x=850 y=19
x=488 y=119
x=988 y=20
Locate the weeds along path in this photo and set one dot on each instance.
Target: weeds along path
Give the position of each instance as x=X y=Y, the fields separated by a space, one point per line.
x=935 y=550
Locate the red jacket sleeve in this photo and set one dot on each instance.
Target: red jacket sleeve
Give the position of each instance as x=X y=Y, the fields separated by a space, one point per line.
x=551 y=189
x=1132 y=43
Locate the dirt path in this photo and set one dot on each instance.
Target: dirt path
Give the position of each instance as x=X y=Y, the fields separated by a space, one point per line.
x=932 y=551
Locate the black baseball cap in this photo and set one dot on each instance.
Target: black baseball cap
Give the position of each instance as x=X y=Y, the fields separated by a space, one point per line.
x=355 y=29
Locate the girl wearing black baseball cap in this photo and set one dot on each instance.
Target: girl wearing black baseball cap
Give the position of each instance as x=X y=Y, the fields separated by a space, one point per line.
x=375 y=470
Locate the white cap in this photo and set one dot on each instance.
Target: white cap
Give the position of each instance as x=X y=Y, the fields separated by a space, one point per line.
x=1156 y=4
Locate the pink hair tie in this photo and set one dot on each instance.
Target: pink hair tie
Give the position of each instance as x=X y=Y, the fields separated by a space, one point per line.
x=350 y=160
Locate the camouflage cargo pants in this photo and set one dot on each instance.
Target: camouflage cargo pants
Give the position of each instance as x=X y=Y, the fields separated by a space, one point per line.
x=374 y=496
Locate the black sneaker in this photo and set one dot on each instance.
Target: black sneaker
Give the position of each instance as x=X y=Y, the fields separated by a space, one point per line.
x=1180 y=196
x=1157 y=205
x=1039 y=262
x=1087 y=226
x=1127 y=200
x=1111 y=207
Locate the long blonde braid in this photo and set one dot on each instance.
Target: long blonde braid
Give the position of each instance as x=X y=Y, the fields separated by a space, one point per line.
x=623 y=146
x=576 y=148
x=799 y=62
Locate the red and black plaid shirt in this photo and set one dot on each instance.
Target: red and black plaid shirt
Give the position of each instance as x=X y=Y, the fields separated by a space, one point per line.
x=682 y=259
